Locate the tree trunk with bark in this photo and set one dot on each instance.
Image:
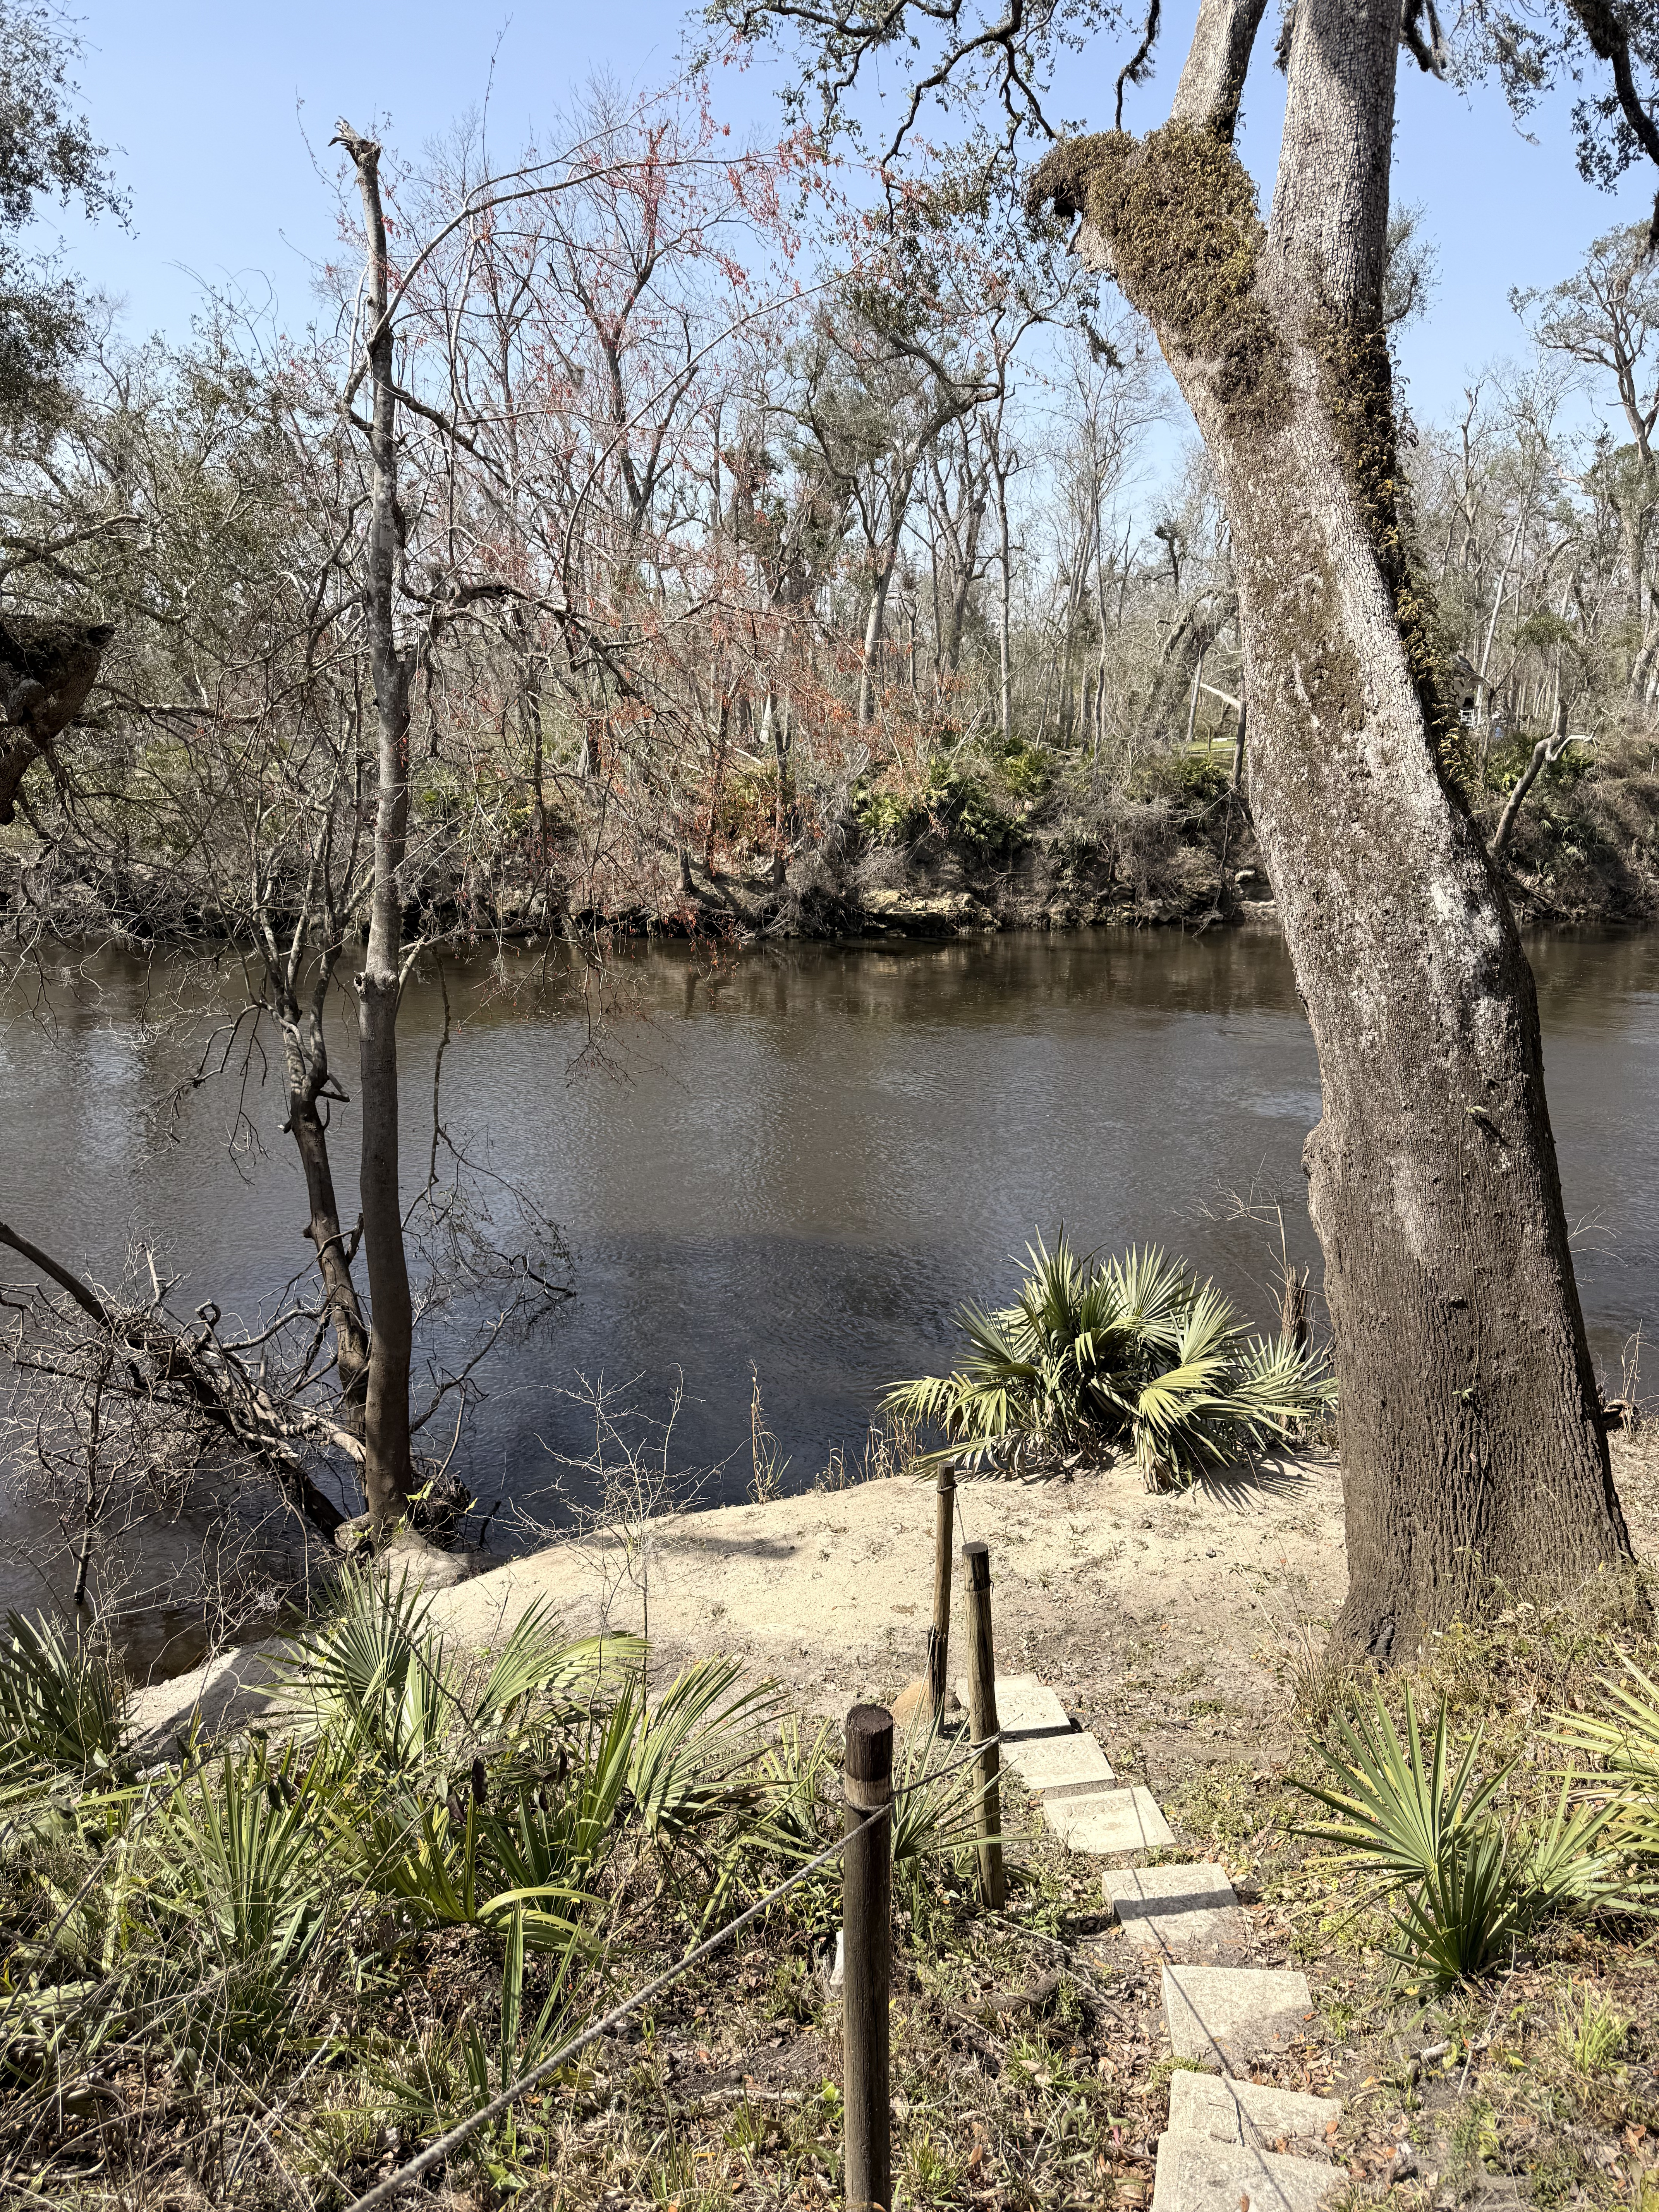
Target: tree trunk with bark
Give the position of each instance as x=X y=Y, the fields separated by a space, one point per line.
x=387 y=1466
x=881 y=583
x=1005 y=604
x=1472 y=1444
x=1196 y=627
x=305 y=1062
x=47 y=669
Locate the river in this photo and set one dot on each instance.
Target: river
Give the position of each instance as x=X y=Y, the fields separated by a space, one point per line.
x=798 y=1160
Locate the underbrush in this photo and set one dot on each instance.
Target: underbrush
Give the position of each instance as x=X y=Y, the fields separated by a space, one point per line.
x=1586 y=842
x=1474 y=1897
x=268 y=1972
x=1031 y=826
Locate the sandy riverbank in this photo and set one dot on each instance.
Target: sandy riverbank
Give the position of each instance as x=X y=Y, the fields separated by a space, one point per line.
x=1174 y=1622
x=830 y=1593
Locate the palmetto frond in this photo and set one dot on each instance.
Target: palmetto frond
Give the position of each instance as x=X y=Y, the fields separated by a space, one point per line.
x=694 y=1751
x=1052 y=1290
x=1397 y=1810
x=1279 y=1384
x=61 y=1705
x=1153 y=1294
x=373 y=1668
x=1184 y=1418
x=1467 y=1885
x=1001 y=1353
x=1137 y=1351
x=536 y=1661
x=1625 y=1737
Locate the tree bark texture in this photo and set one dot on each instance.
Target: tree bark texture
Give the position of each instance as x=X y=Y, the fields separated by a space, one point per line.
x=305 y=1063
x=387 y=1472
x=47 y=669
x=1471 y=1445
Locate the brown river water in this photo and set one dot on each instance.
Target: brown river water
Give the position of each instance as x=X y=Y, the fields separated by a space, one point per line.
x=799 y=1160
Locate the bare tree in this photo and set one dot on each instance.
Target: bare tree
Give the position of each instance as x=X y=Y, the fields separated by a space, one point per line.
x=388 y=1470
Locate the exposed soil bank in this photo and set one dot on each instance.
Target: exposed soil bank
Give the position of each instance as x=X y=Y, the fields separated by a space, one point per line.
x=1171 y=1623
x=1176 y=846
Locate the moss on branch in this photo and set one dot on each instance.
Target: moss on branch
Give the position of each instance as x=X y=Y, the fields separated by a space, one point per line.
x=1178 y=210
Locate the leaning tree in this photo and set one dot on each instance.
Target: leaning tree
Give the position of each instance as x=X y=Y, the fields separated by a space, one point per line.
x=1472 y=1448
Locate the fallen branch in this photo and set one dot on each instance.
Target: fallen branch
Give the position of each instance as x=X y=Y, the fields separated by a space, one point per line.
x=263 y=1430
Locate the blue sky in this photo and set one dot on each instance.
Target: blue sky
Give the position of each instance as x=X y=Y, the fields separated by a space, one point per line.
x=208 y=107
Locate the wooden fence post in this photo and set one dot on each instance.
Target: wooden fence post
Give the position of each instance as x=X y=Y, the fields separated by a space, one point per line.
x=866 y=1895
x=938 y=1636
x=982 y=1722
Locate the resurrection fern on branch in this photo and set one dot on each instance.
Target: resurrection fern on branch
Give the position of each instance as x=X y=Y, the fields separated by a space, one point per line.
x=1094 y=1357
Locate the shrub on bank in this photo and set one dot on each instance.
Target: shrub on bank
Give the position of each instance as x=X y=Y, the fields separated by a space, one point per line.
x=1096 y=1357
x=449 y=1865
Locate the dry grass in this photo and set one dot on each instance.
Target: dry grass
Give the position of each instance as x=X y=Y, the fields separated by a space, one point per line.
x=1031 y=2067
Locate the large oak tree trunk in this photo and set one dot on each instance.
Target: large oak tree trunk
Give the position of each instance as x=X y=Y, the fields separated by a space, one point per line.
x=1471 y=1445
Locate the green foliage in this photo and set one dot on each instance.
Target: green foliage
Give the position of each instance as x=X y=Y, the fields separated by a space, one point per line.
x=514 y=1806
x=61 y=1705
x=954 y=806
x=1506 y=760
x=1025 y=772
x=1591 y=2034
x=795 y=1772
x=372 y=1671
x=47 y=152
x=888 y=818
x=551 y=1850
x=1094 y=1357
x=439 y=2079
x=935 y=1812
x=244 y=1845
x=693 y=1751
x=1625 y=1737
x=1192 y=777
x=1469 y=1885
x=369 y=1669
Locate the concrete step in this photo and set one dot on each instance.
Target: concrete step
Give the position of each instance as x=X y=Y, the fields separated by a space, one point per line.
x=1113 y=1820
x=1195 y=2174
x=1025 y=1707
x=1241 y=2114
x=1184 y=1912
x=1053 y=1766
x=1230 y=2016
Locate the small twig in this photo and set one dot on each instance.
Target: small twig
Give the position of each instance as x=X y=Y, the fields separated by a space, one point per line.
x=1485 y=2039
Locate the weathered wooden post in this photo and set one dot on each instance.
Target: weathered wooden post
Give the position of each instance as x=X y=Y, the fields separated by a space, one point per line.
x=866 y=1898
x=982 y=1722
x=938 y=1636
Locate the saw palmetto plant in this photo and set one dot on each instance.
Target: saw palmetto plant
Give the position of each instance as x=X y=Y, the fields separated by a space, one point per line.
x=1135 y=1354
x=1624 y=1738
x=1468 y=1883
x=61 y=1700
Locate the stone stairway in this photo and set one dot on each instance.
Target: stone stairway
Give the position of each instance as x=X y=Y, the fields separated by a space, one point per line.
x=1233 y=2145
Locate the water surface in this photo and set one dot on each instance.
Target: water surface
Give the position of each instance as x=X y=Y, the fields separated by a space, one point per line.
x=801 y=1160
